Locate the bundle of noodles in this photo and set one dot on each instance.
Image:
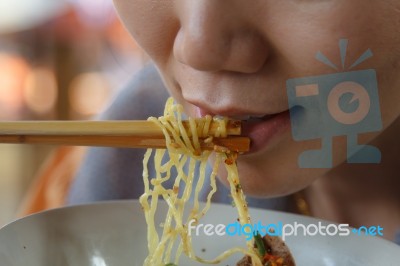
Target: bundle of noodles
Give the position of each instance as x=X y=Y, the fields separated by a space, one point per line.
x=183 y=148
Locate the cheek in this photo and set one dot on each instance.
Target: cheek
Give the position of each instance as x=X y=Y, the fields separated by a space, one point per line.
x=152 y=24
x=275 y=176
x=275 y=172
x=389 y=95
x=306 y=31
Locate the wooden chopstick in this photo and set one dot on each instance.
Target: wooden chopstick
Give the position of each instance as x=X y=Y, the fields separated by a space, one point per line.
x=92 y=128
x=238 y=144
x=128 y=134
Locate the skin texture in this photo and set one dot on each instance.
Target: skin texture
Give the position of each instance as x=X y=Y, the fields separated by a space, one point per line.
x=233 y=58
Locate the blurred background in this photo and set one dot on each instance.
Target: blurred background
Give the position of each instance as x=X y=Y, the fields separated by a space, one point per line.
x=59 y=60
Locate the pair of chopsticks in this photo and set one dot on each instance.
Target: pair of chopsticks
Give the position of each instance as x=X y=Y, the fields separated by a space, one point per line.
x=125 y=134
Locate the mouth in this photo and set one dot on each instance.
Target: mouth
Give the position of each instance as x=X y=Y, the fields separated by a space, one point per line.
x=261 y=129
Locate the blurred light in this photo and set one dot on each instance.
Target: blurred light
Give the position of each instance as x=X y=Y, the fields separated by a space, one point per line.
x=24 y=14
x=40 y=92
x=89 y=93
x=13 y=72
x=97 y=259
x=97 y=13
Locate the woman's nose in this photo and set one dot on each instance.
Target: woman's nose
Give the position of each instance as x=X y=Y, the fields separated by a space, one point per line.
x=216 y=35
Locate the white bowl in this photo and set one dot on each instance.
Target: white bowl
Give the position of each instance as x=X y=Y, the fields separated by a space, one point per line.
x=114 y=234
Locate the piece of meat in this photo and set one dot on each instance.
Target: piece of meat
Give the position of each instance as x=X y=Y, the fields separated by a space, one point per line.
x=245 y=261
x=276 y=247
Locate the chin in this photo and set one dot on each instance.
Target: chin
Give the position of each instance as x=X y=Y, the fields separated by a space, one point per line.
x=273 y=179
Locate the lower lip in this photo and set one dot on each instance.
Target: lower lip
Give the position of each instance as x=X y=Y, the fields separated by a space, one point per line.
x=263 y=132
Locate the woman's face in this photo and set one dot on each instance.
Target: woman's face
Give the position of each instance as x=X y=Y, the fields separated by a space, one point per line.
x=233 y=58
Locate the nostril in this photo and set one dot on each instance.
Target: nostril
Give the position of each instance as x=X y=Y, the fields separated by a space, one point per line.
x=237 y=51
x=201 y=51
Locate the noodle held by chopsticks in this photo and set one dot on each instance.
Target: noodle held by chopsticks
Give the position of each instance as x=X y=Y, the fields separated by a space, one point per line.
x=184 y=150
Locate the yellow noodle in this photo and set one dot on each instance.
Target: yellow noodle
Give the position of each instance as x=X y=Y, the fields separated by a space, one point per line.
x=184 y=151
